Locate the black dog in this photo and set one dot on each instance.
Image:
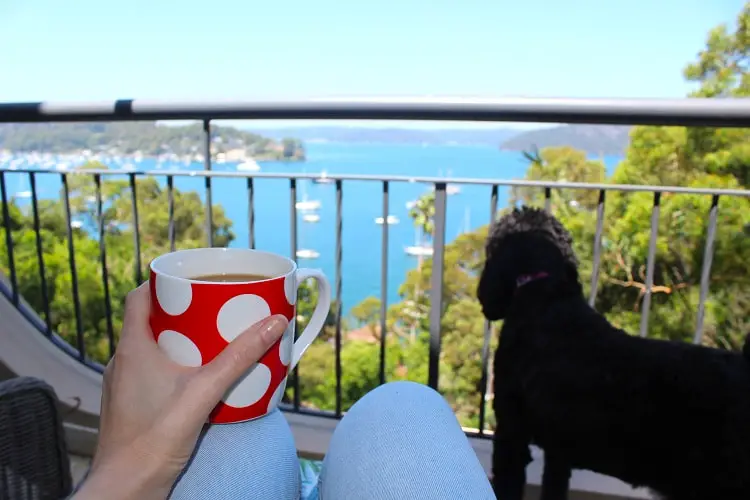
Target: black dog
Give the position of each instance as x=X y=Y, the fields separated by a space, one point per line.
x=669 y=416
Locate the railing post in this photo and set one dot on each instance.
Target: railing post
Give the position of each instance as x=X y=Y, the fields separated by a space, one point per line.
x=708 y=255
x=40 y=253
x=338 y=278
x=103 y=260
x=80 y=344
x=436 y=285
x=487 y=334
x=207 y=168
x=293 y=251
x=650 y=263
x=597 y=248
x=250 y=213
x=170 y=210
x=136 y=231
x=383 y=283
x=9 y=239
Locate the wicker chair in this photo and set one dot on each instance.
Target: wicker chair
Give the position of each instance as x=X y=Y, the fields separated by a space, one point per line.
x=34 y=461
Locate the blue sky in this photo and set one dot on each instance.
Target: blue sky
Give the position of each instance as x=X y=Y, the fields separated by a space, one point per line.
x=246 y=49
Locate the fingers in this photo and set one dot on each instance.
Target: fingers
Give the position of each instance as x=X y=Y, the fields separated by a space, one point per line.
x=137 y=305
x=241 y=354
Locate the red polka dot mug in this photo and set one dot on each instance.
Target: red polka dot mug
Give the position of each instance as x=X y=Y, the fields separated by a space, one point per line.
x=193 y=319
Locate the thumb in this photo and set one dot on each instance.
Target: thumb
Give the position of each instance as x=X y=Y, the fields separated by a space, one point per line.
x=242 y=353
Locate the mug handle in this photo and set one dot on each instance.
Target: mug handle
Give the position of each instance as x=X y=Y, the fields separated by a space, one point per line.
x=319 y=315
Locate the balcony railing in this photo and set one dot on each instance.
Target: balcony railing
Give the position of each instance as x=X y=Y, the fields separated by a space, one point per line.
x=714 y=113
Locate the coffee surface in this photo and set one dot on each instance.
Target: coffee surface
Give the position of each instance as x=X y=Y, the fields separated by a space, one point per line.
x=231 y=278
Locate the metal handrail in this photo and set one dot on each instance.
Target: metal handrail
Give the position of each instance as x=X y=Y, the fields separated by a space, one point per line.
x=728 y=112
x=596 y=186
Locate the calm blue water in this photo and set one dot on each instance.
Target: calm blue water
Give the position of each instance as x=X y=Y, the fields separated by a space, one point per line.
x=362 y=203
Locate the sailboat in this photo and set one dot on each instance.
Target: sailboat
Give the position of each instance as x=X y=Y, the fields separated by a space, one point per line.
x=305 y=204
x=466 y=226
x=419 y=249
x=323 y=179
x=308 y=253
x=20 y=192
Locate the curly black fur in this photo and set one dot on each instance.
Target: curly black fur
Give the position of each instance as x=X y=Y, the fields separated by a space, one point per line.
x=669 y=416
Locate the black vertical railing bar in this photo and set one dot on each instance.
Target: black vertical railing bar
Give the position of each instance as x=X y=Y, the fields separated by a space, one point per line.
x=251 y=213
x=103 y=261
x=487 y=333
x=384 y=281
x=170 y=210
x=80 y=345
x=40 y=254
x=9 y=239
x=293 y=252
x=136 y=230
x=207 y=168
x=708 y=255
x=597 y=247
x=548 y=199
x=650 y=264
x=436 y=284
x=338 y=280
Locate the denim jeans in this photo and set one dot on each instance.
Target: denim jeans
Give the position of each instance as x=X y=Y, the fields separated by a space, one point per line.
x=399 y=442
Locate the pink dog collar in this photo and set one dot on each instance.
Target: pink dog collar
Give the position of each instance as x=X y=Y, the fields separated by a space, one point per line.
x=527 y=278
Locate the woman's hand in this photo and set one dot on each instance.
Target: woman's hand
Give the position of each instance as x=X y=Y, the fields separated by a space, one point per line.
x=153 y=410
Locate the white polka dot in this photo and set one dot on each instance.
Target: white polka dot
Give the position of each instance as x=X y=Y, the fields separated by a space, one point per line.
x=290 y=288
x=240 y=313
x=277 y=395
x=179 y=348
x=174 y=295
x=285 y=347
x=250 y=388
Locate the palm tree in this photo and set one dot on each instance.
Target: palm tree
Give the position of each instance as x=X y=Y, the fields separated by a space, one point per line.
x=423 y=214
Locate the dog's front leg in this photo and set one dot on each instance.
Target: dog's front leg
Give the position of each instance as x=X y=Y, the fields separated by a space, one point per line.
x=556 y=477
x=511 y=456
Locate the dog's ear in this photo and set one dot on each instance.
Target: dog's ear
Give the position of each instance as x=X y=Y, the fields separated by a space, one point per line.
x=497 y=284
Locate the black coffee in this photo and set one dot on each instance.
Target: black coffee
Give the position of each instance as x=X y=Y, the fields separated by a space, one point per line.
x=231 y=278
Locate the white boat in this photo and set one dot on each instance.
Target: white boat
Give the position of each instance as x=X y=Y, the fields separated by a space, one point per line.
x=307 y=205
x=306 y=253
x=311 y=218
x=450 y=189
x=419 y=250
x=392 y=219
x=249 y=166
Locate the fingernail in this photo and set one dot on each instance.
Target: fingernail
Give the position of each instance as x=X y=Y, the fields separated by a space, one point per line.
x=273 y=328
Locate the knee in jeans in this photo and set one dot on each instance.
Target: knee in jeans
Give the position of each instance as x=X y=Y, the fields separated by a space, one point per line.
x=404 y=394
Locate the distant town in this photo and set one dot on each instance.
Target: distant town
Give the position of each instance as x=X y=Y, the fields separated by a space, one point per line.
x=127 y=144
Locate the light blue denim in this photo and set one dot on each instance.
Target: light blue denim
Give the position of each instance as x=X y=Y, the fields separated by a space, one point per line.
x=399 y=442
